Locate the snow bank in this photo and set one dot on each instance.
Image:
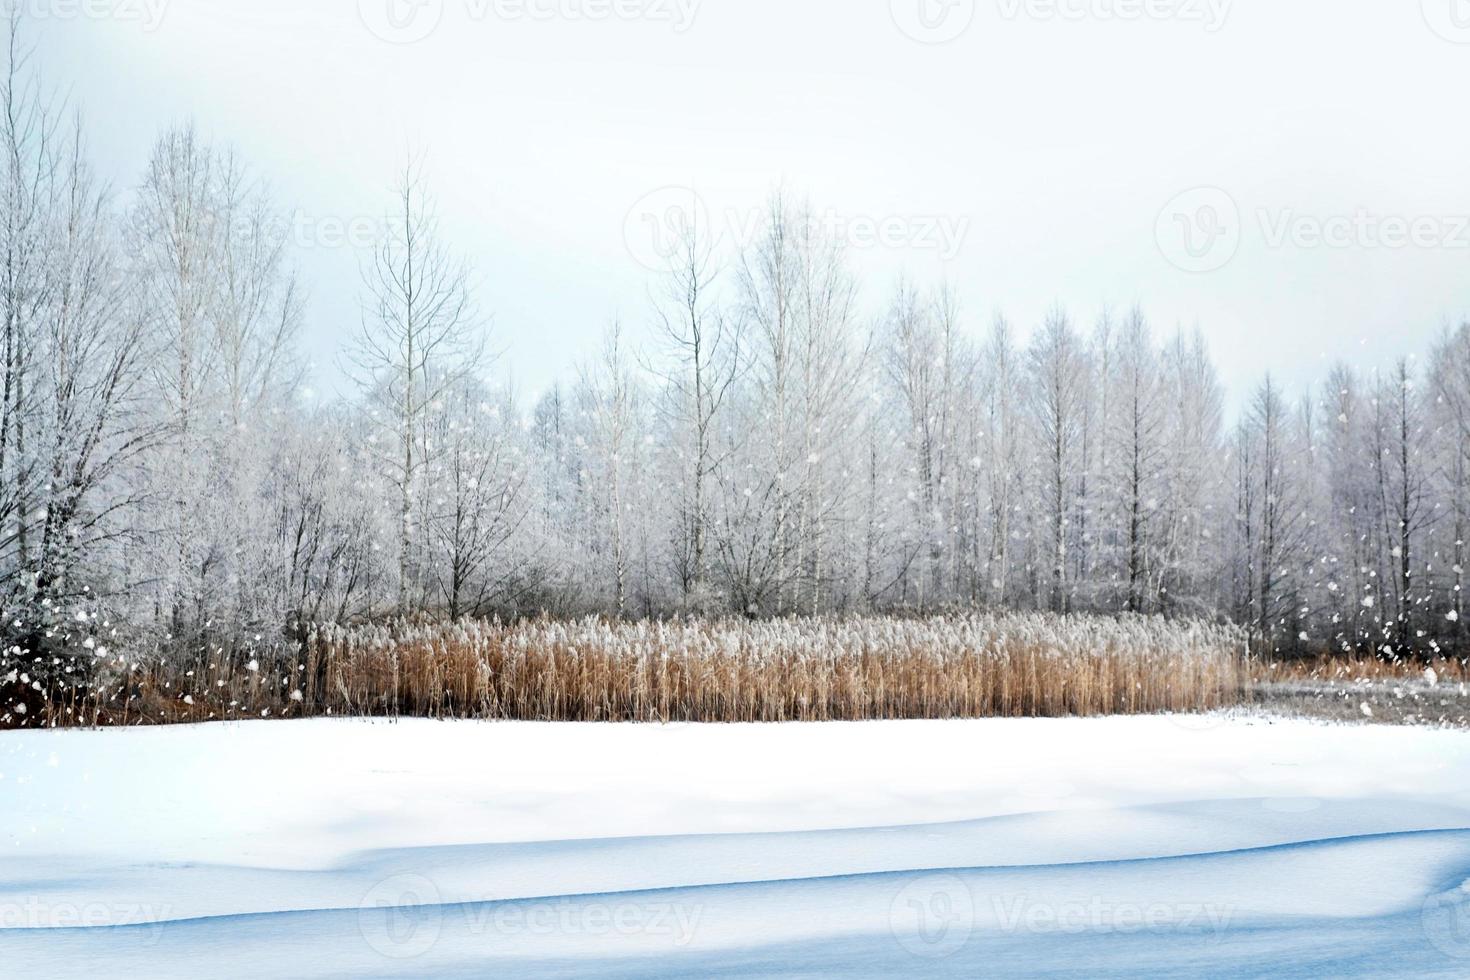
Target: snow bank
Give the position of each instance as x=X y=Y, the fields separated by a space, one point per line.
x=1128 y=846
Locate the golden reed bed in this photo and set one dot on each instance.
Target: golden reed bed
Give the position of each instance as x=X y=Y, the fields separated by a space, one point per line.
x=825 y=669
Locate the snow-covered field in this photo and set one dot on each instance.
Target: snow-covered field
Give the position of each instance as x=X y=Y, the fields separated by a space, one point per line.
x=1128 y=847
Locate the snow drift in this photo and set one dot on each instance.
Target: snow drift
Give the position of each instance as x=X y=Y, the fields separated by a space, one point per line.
x=1128 y=847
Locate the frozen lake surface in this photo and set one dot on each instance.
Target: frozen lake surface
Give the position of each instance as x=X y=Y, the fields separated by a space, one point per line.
x=1102 y=847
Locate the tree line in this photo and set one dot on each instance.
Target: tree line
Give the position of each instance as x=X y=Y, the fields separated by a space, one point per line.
x=774 y=448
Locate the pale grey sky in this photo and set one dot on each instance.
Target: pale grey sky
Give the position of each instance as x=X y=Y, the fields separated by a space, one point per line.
x=1048 y=151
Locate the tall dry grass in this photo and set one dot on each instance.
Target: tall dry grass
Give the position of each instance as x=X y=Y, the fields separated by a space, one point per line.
x=1361 y=669
x=824 y=669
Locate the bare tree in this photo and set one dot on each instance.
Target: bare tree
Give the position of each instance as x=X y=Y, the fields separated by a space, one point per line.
x=1057 y=403
x=420 y=337
x=925 y=362
x=612 y=403
x=833 y=356
x=1403 y=503
x=1271 y=519
x=479 y=478
x=70 y=427
x=1192 y=501
x=30 y=139
x=93 y=421
x=257 y=312
x=1450 y=371
x=769 y=277
x=1350 y=530
x=777 y=497
x=1137 y=437
x=702 y=354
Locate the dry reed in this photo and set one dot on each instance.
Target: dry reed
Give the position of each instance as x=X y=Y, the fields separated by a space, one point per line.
x=823 y=669
x=1361 y=669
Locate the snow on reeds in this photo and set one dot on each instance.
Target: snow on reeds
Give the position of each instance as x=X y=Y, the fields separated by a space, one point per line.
x=822 y=669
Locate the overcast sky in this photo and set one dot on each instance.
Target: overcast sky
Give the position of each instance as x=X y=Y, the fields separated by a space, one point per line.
x=1288 y=174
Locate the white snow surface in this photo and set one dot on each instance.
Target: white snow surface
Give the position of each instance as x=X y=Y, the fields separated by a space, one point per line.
x=1129 y=847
